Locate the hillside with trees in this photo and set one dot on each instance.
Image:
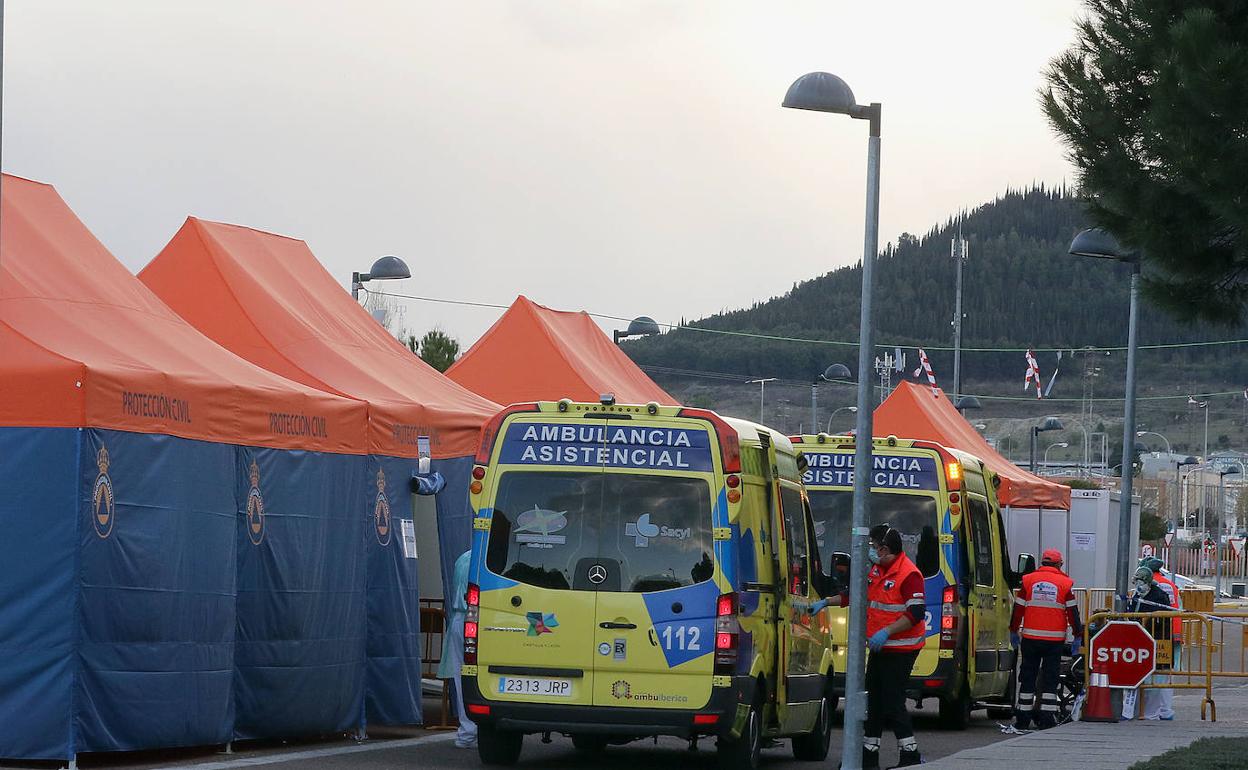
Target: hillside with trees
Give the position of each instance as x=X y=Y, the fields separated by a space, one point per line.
x=1021 y=289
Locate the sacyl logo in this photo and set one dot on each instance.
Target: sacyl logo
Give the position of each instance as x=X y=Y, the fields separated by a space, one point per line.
x=642 y=531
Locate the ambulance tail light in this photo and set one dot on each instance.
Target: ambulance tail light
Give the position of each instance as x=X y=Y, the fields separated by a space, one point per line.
x=705 y=719
x=949 y=618
x=471 y=622
x=489 y=433
x=480 y=709
x=953 y=474
x=729 y=445
x=727 y=634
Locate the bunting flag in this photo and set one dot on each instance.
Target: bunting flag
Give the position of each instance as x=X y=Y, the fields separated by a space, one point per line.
x=925 y=367
x=1033 y=373
x=1056 y=368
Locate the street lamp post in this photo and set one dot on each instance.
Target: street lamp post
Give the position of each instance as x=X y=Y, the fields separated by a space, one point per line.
x=1143 y=433
x=762 y=394
x=1217 y=559
x=834 y=373
x=1205 y=406
x=384 y=269
x=1060 y=444
x=839 y=409
x=824 y=92
x=1100 y=244
x=1050 y=423
x=1178 y=489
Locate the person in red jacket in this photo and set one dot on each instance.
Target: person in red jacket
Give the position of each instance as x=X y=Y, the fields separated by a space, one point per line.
x=896 y=630
x=1045 y=606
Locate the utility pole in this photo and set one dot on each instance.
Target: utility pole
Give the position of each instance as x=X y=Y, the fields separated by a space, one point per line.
x=958 y=252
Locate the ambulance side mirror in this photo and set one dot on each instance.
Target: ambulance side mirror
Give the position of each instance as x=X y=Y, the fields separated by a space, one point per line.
x=1026 y=564
x=837 y=578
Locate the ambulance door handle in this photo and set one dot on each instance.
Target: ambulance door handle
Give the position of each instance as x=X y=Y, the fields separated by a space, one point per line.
x=612 y=626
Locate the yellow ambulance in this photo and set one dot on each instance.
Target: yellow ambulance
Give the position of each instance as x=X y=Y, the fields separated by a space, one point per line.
x=642 y=570
x=944 y=503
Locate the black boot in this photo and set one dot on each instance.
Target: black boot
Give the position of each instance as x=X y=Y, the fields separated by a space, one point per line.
x=870 y=758
x=908 y=758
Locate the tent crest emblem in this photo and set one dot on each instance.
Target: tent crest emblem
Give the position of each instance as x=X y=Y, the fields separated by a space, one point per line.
x=102 y=497
x=255 y=507
x=381 y=510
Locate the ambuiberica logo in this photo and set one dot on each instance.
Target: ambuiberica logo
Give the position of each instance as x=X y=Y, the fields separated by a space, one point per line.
x=623 y=690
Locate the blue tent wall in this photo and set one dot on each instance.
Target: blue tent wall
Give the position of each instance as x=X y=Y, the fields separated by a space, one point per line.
x=38 y=515
x=392 y=691
x=299 y=655
x=155 y=605
x=454 y=513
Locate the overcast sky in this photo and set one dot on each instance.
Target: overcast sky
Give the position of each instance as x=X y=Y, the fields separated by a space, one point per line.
x=621 y=157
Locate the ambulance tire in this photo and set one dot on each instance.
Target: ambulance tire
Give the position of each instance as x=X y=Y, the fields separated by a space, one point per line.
x=743 y=753
x=498 y=747
x=813 y=746
x=955 y=711
x=589 y=744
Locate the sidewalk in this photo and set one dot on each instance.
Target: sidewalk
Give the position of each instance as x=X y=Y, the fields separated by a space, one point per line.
x=1101 y=746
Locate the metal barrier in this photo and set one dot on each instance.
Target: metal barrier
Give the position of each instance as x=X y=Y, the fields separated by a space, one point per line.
x=1199 y=625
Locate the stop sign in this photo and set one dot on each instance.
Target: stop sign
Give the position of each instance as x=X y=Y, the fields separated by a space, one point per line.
x=1125 y=652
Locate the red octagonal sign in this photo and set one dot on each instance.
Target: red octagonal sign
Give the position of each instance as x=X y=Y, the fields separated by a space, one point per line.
x=1125 y=652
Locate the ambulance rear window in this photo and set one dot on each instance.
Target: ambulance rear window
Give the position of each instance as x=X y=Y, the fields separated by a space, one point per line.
x=652 y=533
x=914 y=516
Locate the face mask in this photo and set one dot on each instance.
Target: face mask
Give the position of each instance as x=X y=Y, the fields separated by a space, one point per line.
x=873 y=555
x=1141 y=587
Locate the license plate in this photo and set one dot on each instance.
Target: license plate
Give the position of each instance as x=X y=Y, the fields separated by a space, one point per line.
x=534 y=685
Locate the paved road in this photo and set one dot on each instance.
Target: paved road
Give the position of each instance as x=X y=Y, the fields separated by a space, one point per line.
x=668 y=753
x=413 y=748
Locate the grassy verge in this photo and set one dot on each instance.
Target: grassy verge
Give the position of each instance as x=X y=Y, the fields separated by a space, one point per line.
x=1206 y=754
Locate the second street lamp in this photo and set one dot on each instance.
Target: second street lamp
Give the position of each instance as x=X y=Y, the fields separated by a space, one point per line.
x=825 y=92
x=1100 y=244
x=1059 y=445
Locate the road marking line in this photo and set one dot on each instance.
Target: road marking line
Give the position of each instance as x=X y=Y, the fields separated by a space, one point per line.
x=274 y=759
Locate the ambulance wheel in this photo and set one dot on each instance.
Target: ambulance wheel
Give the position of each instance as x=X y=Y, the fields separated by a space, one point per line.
x=813 y=746
x=742 y=753
x=498 y=747
x=955 y=712
x=589 y=744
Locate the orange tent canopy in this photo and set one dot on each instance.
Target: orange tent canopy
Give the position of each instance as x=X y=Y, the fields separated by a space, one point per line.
x=534 y=353
x=86 y=345
x=268 y=298
x=913 y=412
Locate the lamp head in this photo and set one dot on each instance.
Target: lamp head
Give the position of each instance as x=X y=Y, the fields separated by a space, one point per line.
x=968 y=402
x=642 y=326
x=388 y=269
x=1099 y=244
x=837 y=372
x=821 y=92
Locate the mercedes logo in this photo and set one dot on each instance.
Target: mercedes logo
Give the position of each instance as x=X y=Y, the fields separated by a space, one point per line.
x=597 y=574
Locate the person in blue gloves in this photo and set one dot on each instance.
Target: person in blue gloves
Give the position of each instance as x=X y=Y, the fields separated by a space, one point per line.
x=896 y=607
x=453 y=649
